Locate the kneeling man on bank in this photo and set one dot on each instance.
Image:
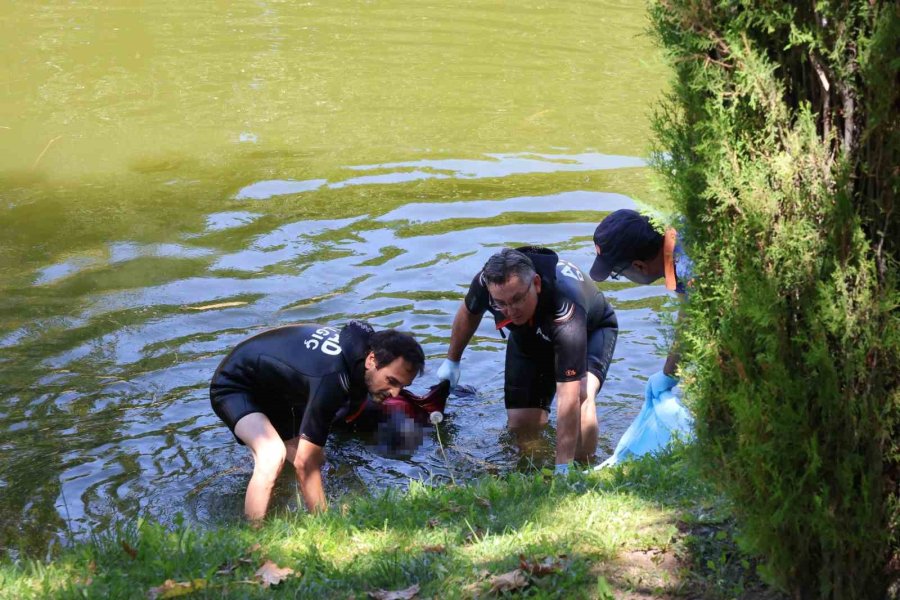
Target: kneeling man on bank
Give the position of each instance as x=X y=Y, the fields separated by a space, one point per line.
x=561 y=341
x=280 y=391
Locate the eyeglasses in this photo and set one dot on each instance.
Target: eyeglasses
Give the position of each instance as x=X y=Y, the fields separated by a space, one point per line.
x=515 y=302
x=616 y=273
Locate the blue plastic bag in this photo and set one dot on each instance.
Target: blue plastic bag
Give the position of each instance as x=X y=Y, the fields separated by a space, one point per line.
x=661 y=418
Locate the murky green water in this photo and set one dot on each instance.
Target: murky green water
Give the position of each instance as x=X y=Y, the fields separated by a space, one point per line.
x=303 y=162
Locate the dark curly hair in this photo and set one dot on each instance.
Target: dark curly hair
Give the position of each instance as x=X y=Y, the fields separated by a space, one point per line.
x=390 y=344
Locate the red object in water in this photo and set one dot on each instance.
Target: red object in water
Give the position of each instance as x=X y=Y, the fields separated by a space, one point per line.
x=419 y=407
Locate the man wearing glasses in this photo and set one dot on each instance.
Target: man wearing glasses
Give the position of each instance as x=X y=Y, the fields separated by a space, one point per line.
x=629 y=246
x=561 y=340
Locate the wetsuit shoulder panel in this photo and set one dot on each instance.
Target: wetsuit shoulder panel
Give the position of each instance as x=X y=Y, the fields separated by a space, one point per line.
x=478 y=299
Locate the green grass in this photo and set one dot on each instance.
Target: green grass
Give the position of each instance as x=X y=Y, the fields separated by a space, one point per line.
x=629 y=530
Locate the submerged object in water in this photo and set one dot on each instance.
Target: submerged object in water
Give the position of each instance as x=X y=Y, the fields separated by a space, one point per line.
x=420 y=407
x=399 y=421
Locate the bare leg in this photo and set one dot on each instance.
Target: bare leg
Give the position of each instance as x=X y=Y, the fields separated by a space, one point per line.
x=268 y=450
x=590 y=429
x=529 y=418
x=526 y=424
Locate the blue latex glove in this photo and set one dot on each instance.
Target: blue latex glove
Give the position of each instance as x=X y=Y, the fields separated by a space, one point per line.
x=658 y=383
x=449 y=371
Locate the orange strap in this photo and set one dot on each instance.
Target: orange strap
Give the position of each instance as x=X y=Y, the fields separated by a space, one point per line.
x=669 y=259
x=353 y=417
x=503 y=324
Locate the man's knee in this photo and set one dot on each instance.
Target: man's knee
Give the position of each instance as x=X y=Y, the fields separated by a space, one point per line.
x=592 y=385
x=269 y=455
x=257 y=432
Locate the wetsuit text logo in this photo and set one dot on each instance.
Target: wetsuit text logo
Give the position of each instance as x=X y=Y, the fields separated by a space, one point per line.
x=327 y=339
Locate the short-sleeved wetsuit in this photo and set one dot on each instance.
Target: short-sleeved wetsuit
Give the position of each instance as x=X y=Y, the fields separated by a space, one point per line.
x=302 y=377
x=573 y=331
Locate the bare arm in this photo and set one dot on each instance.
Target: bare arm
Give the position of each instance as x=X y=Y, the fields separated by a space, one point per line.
x=308 y=461
x=464 y=325
x=674 y=355
x=672 y=361
x=568 y=419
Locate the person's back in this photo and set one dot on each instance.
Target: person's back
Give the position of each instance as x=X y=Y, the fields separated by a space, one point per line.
x=572 y=285
x=286 y=353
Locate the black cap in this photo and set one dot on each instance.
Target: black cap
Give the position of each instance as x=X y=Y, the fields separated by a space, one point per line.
x=623 y=236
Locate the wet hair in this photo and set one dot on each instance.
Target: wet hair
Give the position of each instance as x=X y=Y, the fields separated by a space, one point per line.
x=390 y=344
x=506 y=263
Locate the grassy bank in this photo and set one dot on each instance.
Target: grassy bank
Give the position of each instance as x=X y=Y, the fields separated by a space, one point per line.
x=648 y=529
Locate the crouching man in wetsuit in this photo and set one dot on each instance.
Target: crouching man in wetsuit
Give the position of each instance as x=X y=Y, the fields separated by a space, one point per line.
x=562 y=337
x=280 y=391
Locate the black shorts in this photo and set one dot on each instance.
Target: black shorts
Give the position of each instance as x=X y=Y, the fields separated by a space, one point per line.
x=530 y=380
x=232 y=405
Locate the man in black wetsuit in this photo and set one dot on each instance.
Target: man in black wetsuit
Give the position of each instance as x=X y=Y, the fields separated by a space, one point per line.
x=562 y=337
x=280 y=391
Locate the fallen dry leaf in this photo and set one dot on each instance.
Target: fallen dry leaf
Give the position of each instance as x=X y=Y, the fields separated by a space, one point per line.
x=271 y=574
x=433 y=522
x=252 y=549
x=173 y=589
x=407 y=594
x=483 y=501
x=508 y=582
x=436 y=548
x=129 y=550
x=218 y=305
x=475 y=588
x=545 y=567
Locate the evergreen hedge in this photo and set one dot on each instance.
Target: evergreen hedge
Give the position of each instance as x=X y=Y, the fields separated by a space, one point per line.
x=779 y=143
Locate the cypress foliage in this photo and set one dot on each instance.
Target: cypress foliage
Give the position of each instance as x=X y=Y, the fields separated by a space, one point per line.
x=780 y=145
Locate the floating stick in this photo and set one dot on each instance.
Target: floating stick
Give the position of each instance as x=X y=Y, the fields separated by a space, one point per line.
x=44 y=151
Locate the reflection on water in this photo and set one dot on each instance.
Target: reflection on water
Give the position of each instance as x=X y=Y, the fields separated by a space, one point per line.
x=225 y=171
x=499 y=165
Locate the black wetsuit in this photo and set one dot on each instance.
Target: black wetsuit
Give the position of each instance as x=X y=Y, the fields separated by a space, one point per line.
x=573 y=331
x=302 y=377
